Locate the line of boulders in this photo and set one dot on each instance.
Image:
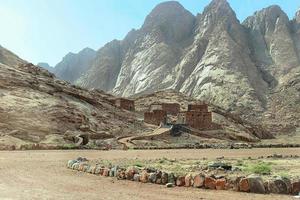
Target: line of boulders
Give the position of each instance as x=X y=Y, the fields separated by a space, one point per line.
x=251 y=184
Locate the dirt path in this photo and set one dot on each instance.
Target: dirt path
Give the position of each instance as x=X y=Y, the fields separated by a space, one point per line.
x=43 y=175
x=127 y=141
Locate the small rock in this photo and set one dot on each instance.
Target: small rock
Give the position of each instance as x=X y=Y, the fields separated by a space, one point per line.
x=169 y=185
x=136 y=177
x=71 y=162
x=130 y=173
x=164 y=178
x=220 y=184
x=144 y=176
x=199 y=181
x=171 y=178
x=210 y=183
x=180 y=181
x=152 y=177
x=106 y=172
x=188 y=180
x=244 y=185
x=295 y=188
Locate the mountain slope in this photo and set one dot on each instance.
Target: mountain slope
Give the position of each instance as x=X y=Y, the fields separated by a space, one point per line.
x=9 y=58
x=246 y=68
x=35 y=107
x=73 y=65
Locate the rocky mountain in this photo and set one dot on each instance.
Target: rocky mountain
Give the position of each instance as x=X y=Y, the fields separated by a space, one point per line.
x=73 y=65
x=46 y=66
x=37 y=108
x=247 y=68
x=9 y=58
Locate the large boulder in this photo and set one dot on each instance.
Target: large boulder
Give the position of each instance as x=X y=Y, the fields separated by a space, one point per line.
x=279 y=186
x=253 y=184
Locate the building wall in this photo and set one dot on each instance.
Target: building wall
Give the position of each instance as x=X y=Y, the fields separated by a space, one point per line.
x=171 y=108
x=156 y=117
x=198 y=119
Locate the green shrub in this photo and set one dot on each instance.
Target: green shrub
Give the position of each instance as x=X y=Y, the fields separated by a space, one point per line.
x=261 y=168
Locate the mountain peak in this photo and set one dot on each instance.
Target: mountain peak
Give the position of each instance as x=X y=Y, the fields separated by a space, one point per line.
x=219 y=6
x=172 y=20
x=165 y=12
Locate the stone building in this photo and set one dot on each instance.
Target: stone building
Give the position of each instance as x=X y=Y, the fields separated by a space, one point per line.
x=170 y=108
x=124 y=104
x=197 y=116
x=155 y=117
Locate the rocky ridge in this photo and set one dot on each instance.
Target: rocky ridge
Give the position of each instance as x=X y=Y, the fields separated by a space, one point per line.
x=241 y=67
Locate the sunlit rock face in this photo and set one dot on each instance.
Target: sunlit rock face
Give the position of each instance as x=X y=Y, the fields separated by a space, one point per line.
x=212 y=56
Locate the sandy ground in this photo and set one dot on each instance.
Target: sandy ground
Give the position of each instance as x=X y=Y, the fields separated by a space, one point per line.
x=43 y=175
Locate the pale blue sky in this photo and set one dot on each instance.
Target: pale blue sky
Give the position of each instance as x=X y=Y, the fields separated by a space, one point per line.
x=46 y=30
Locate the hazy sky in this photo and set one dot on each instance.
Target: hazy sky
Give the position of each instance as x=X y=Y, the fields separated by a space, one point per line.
x=46 y=30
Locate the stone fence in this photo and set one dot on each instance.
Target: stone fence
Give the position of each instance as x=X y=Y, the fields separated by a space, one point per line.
x=251 y=184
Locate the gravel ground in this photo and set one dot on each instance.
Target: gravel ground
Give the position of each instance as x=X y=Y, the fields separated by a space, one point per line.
x=43 y=175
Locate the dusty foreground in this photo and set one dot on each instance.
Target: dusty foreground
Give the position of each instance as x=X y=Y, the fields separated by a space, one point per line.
x=43 y=175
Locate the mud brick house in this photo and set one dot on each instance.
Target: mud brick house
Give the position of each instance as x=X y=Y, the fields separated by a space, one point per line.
x=155 y=117
x=197 y=116
x=170 y=108
x=124 y=103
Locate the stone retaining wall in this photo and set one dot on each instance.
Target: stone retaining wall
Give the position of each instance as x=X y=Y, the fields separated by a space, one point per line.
x=251 y=184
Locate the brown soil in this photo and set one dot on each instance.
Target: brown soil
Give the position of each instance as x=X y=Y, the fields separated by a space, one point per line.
x=43 y=175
